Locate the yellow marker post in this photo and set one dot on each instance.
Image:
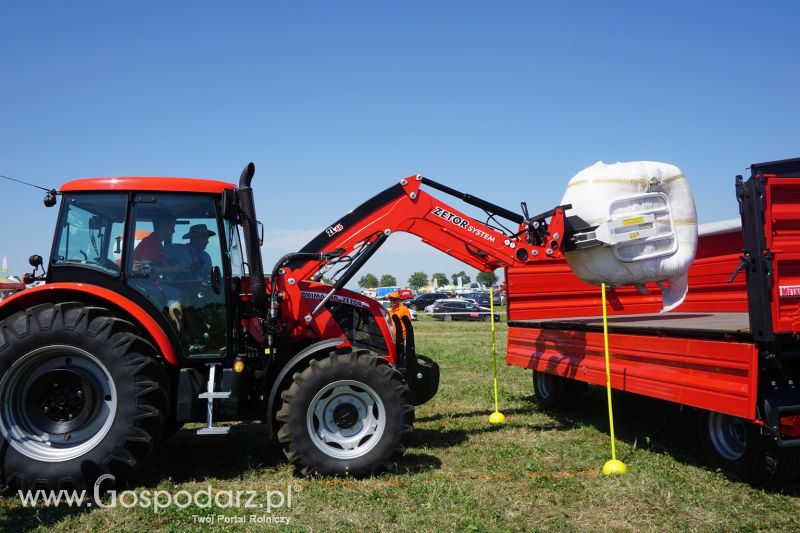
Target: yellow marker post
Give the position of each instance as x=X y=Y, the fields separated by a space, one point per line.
x=613 y=466
x=497 y=417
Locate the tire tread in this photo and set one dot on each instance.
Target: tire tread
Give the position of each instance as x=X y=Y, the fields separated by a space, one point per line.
x=363 y=358
x=126 y=347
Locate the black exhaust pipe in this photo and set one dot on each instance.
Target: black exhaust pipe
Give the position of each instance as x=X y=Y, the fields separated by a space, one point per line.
x=251 y=240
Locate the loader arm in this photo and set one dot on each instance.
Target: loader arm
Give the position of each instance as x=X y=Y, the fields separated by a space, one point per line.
x=405 y=207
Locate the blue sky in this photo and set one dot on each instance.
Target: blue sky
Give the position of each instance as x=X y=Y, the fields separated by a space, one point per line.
x=335 y=101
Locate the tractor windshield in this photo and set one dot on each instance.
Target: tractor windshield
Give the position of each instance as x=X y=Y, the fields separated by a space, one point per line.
x=89 y=229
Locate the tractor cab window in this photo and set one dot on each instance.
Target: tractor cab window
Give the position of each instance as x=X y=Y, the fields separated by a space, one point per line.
x=174 y=257
x=89 y=229
x=234 y=253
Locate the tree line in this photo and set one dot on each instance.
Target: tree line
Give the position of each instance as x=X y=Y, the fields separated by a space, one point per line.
x=417 y=280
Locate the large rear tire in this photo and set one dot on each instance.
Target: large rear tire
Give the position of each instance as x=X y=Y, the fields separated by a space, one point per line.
x=556 y=392
x=347 y=414
x=738 y=448
x=81 y=395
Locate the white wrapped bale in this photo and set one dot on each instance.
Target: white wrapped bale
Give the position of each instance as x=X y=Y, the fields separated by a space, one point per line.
x=646 y=217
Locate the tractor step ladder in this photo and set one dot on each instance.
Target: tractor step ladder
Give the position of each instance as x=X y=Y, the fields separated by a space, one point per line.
x=210 y=396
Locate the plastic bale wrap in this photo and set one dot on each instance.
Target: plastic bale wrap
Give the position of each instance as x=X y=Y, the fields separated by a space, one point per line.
x=610 y=193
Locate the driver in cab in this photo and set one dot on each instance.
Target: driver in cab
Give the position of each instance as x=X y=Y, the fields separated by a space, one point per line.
x=149 y=254
x=192 y=254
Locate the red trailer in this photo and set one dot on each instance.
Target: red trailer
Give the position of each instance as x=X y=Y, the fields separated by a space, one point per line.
x=731 y=350
x=9 y=286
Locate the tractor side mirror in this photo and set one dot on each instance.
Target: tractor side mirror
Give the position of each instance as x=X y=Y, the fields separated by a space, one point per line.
x=50 y=198
x=260 y=227
x=36 y=262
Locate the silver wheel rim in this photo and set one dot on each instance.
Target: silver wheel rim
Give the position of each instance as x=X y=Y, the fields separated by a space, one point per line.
x=728 y=435
x=346 y=419
x=56 y=403
x=542 y=384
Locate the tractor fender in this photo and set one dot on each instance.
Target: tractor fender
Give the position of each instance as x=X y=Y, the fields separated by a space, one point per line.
x=299 y=359
x=55 y=292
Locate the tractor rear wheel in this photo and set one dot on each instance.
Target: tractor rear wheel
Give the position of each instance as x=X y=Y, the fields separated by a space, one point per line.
x=347 y=414
x=738 y=448
x=81 y=395
x=557 y=392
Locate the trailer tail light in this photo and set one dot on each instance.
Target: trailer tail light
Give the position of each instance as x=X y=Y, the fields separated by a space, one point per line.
x=790 y=426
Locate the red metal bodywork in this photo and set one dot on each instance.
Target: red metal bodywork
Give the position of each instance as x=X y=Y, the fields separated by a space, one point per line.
x=406 y=208
x=147 y=184
x=782 y=229
x=713 y=374
x=439 y=225
x=551 y=290
x=61 y=292
x=710 y=374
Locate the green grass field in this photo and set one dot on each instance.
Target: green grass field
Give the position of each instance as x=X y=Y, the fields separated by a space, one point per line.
x=539 y=471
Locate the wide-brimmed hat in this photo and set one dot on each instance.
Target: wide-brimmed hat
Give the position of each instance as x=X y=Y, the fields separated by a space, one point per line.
x=199 y=230
x=394 y=295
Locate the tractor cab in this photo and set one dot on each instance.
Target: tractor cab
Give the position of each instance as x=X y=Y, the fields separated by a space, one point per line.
x=161 y=243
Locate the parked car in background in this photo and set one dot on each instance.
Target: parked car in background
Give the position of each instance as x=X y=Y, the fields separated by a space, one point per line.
x=482 y=298
x=429 y=308
x=425 y=299
x=462 y=309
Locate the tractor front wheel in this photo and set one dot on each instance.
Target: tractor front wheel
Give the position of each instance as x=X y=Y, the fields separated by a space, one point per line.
x=347 y=414
x=81 y=395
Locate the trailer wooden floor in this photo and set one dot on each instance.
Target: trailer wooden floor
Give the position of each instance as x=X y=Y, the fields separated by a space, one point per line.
x=703 y=325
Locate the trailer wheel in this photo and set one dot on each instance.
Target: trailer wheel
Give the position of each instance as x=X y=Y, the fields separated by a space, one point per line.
x=81 y=395
x=556 y=392
x=738 y=448
x=347 y=414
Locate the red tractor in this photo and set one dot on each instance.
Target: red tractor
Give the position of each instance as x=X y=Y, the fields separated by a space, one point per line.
x=133 y=334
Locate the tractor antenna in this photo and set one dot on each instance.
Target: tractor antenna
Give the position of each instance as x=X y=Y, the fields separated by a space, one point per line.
x=49 y=198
